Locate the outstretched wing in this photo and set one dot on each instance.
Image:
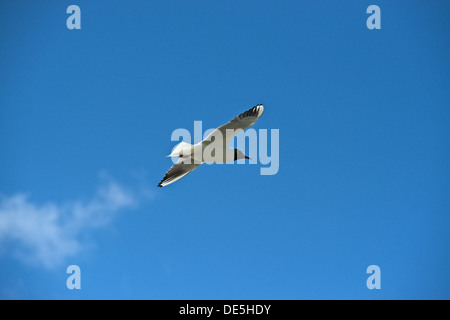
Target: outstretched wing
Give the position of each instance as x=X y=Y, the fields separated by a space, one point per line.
x=178 y=171
x=239 y=123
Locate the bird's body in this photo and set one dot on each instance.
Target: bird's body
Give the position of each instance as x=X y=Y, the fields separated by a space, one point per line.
x=199 y=153
x=213 y=149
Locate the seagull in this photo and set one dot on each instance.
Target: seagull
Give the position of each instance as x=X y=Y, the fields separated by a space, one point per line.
x=214 y=148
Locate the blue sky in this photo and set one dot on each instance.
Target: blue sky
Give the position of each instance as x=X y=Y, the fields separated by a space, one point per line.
x=85 y=123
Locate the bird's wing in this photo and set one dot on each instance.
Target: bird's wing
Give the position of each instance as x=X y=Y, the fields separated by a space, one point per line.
x=178 y=171
x=239 y=123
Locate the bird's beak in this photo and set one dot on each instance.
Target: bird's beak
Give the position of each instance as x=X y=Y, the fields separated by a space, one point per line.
x=248 y=158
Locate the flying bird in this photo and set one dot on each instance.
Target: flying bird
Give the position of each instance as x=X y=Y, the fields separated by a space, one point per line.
x=214 y=148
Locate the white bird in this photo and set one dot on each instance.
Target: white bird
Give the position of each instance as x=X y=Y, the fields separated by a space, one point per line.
x=214 y=148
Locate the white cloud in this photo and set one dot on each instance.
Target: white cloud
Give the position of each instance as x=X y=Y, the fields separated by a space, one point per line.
x=48 y=234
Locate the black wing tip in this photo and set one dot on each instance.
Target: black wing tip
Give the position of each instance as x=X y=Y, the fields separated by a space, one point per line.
x=255 y=108
x=160 y=185
x=253 y=111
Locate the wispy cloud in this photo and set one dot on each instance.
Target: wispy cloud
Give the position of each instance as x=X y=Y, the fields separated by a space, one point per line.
x=47 y=234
